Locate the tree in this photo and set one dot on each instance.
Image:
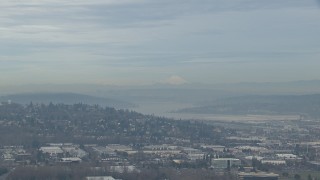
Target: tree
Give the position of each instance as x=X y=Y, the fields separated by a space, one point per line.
x=297 y=176
x=285 y=174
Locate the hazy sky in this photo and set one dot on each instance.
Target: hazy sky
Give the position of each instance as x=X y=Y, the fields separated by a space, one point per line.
x=152 y=41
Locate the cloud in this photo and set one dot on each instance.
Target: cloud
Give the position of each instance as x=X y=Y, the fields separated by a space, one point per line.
x=112 y=38
x=175 y=80
x=64 y=2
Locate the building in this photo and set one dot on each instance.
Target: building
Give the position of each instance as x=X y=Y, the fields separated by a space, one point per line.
x=274 y=162
x=286 y=156
x=71 y=160
x=257 y=176
x=259 y=158
x=196 y=156
x=118 y=147
x=224 y=163
x=215 y=148
x=51 y=150
x=100 y=178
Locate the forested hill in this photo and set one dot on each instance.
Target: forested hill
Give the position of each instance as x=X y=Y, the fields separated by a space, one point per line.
x=308 y=105
x=82 y=123
x=65 y=98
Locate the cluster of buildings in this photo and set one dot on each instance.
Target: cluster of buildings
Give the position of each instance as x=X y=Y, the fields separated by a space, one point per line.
x=63 y=152
x=11 y=155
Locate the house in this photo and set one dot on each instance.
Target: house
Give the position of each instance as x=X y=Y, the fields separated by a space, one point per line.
x=224 y=163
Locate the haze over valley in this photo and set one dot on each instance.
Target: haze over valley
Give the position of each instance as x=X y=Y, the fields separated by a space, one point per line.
x=186 y=101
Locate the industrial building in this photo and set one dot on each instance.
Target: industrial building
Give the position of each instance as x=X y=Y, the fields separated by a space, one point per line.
x=257 y=176
x=224 y=163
